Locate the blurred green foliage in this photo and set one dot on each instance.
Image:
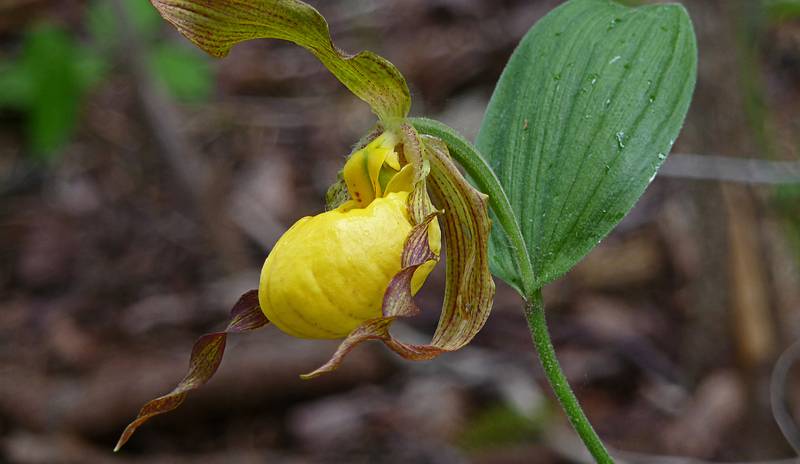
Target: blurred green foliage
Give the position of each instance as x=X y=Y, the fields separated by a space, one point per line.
x=782 y=9
x=183 y=69
x=48 y=81
x=787 y=200
x=761 y=117
x=501 y=426
x=47 y=84
x=185 y=73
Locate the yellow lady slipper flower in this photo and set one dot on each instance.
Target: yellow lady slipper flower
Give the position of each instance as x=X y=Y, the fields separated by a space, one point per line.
x=328 y=273
x=350 y=272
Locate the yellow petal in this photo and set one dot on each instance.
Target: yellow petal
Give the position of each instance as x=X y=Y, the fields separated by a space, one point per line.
x=356 y=177
x=362 y=171
x=375 y=159
x=328 y=273
x=403 y=181
x=393 y=160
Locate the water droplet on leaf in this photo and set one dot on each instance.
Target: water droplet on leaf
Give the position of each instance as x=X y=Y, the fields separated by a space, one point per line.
x=621 y=139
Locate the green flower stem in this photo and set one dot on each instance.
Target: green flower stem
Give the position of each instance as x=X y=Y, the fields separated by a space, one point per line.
x=534 y=313
x=487 y=182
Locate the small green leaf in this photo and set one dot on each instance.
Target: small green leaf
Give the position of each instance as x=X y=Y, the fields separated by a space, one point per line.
x=185 y=72
x=47 y=84
x=49 y=61
x=16 y=88
x=584 y=114
x=501 y=426
x=217 y=26
x=103 y=24
x=782 y=10
x=144 y=19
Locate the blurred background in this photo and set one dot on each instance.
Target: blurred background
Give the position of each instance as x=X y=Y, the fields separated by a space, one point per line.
x=142 y=184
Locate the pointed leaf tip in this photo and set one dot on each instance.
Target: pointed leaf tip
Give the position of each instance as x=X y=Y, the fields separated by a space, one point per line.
x=216 y=26
x=586 y=111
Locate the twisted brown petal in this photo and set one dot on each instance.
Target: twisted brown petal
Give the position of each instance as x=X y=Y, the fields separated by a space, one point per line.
x=246 y=315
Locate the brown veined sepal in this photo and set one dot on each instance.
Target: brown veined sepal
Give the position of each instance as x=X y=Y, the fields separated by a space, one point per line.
x=469 y=288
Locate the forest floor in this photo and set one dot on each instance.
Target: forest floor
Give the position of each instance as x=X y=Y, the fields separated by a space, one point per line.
x=139 y=234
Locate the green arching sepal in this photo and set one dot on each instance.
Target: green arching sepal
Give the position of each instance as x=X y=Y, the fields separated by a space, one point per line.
x=217 y=25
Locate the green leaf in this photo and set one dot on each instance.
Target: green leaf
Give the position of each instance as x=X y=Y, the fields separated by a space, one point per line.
x=501 y=426
x=102 y=22
x=144 y=19
x=16 y=89
x=47 y=83
x=782 y=10
x=217 y=26
x=90 y=67
x=185 y=72
x=49 y=61
x=584 y=114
